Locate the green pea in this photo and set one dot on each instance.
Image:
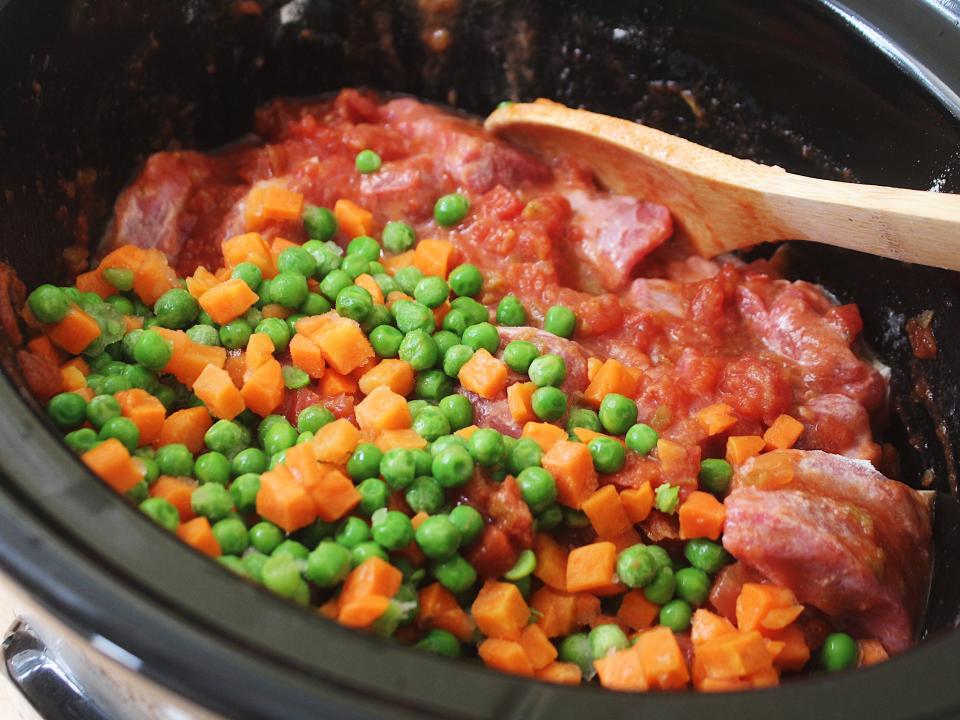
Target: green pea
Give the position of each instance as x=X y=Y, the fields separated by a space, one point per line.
x=661 y=589
x=281 y=575
x=608 y=455
x=525 y=565
x=549 y=403
x=166 y=395
x=367 y=161
x=151 y=471
x=377 y=317
x=265 y=537
x=313 y=417
x=411 y=316
x=636 y=566
x=617 y=413
x=487 y=447
x=407 y=278
x=454 y=322
x=114 y=384
x=660 y=557
x=175 y=459
x=334 y=282
x=213 y=501
x=364 y=462
x=433 y=385
x=398 y=236
x=121 y=304
x=296 y=260
x=315 y=304
x=315 y=532
x=468 y=521
x=48 y=303
x=465 y=280
x=278 y=332
x=235 y=334
x=81 y=440
x=374 y=495
x=676 y=615
x=453 y=467
x=123 y=429
x=415 y=406
x=386 y=341
x=391 y=529
x=102 y=408
x=253 y=563
x=548 y=370
x=328 y=256
x=352 y=532
x=292 y=548
x=538 y=488
x=457 y=410
x=473 y=311
x=560 y=321
x=251 y=460
x=447 y=441
x=666 y=498
x=294 y=378
x=419 y=349
x=212 y=467
x=576 y=649
x=176 y=308
x=510 y=312
x=366 y=550
x=289 y=289
x=223 y=436
x=328 y=565
x=525 y=453
x=355 y=266
x=139 y=377
x=234 y=564
x=715 y=475
x=386 y=283
x=455 y=574
x=693 y=585
x=705 y=555
x=641 y=438
x=398 y=468
x=519 y=354
x=249 y=273
x=162 y=512
x=278 y=437
x=431 y=291
x=120 y=278
x=319 y=223
x=204 y=335
x=838 y=652
x=450 y=209
x=231 y=535
x=550 y=518
x=445 y=340
x=138 y=493
x=482 y=336
x=606 y=639
x=244 y=491
x=455 y=358
x=152 y=351
x=583 y=418
x=440 y=642
x=425 y=495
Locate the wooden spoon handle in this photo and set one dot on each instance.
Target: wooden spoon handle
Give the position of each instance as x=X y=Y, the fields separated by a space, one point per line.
x=721 y=203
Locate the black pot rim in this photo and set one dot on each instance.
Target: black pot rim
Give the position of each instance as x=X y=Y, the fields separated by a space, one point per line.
x=82 y=555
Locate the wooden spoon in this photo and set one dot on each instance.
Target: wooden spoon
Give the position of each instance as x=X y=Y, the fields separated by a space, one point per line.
x=721 y=203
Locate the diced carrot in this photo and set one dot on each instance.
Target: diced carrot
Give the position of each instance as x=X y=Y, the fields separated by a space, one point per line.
x=870 y=652
x=663 y=662
x=731 y=656
x=483 y=374
x=586 y=608
x=770 y=607
x=189 y=358
x=132 y=322
x=42 y=345
x=219 y=394
x=263 y=391
x=362 y=612
x=612 y=377
x=395 y=374
x=546 y=435
x=307 y=356
x=75 y=332
x=408 y=439
x=636 y=611
x=765 y=677
x=771 y=470
x=228 y=301
x=374 y=576
x=593 y=365
x=606 y=513
x=71 y=378
x=540 y=651
x=395 y=296
x=236 y=367
x=742 y=447
x=506 y=656
x=795 y=652
x=362 y=369
x=467 y=432
x=551 y=562
x=352 y=219
x=187 y=426
x=367 y=282
x=440 y=609
x=500 y=610
x=556 y=611
x=344 y=346
x=561 y=673
x=638 y=502
x=275 y=310
x=279 y=244
x=701 y=516
x=201 y=281
x=716 y=418
x=283 y=501
x=336 y=441
x=395 y=262
x=250 y=248
x=622 y=670
x=673 y=457
x=432 y=257
x=335 y=495
x=198 y=534
x=591 y=566
x=572 y=468
x=177 y=491
x=146 y=412
x=439 y=313
x=520 y=402
x=270 y=201
x=79 y=364
x=585 y=435
x=94 y=282
x=112 y=463
x=383 y=409
x=784 y=432
x=260 y=350
x=333 y=383
x=330 y=609
x=152 y=277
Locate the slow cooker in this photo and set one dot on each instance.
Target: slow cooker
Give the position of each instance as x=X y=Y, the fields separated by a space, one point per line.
x=120 y=620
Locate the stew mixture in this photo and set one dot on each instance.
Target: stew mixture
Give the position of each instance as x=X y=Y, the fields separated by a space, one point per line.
x=402 y=373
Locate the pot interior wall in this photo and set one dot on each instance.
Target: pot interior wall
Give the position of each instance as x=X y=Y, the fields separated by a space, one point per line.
x=89 y=88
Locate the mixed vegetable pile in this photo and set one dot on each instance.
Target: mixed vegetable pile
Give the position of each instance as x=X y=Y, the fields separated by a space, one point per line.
x=191 y=398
